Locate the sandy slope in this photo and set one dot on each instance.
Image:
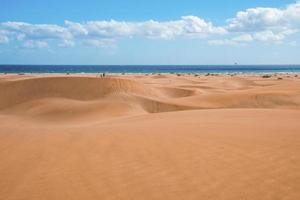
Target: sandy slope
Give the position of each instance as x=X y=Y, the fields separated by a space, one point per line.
x=149 y=137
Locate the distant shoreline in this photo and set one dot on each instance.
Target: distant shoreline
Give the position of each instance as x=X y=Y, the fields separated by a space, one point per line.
x=148 y=69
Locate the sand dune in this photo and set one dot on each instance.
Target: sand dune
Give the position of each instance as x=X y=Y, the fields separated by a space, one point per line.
x=78 y=96
x=236 y=92
x=79 y=88
x=149 y=137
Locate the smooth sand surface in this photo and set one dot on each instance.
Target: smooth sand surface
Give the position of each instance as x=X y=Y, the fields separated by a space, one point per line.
x=149 y=137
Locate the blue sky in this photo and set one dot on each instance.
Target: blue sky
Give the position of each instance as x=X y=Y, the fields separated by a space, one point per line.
x=149 y=32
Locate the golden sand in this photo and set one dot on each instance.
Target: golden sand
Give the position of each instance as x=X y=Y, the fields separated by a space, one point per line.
x=155 y=137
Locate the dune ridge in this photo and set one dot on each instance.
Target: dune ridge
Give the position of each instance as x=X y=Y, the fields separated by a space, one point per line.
x=80 y=96
x=73 y=96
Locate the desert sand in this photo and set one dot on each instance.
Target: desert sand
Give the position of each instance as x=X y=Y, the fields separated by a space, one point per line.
x=155 y=137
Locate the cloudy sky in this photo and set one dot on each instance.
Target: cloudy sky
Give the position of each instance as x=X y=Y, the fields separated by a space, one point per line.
x=150 y=32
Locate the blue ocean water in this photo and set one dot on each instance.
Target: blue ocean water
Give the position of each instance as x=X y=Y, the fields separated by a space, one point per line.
x=149 y=68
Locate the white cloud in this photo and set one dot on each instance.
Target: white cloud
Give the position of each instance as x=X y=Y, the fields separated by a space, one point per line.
x=188 y=25
x=262 y=24
x=257 y=19
x=76 y=28
x=253 y=24
x=28 y=31
x=265 y=19
x=260 y=19
x=263 y=36
x=271 y=36
x=97 y=33
x=292 y=12
x=238 y=40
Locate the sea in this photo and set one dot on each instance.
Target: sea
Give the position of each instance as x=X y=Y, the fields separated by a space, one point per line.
x=132 y=69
